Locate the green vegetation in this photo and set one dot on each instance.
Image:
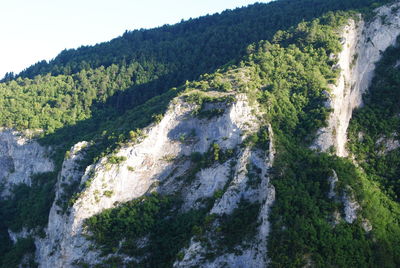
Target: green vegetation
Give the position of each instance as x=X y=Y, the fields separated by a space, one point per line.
x=201 y=98
x=259 y=140
x=113 y=159
x=29 y=206
x=206 y=160
x=108 y=193
x=208 y=106
x=302 y=216
x=293 y=77
x=107 y=93
x=293 y=72
x=24 y=248
x=148 y=216
x=83 y=91
x=51 y=102
x=378 y=121
x=226 y=35
x=237 y=228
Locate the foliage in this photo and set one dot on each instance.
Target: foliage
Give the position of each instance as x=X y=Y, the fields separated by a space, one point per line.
x=96 y=84
x=23 y=248
x=201 y=98
x=302 y=215
x=226 y=35
x=153 y=216
x=240 y=226
x=28 y=207
x=200 y=161
x=259 y=140
x=293 y=73
x=377 y=121
x=208 y=106
x=113 y=159
x=108 y=92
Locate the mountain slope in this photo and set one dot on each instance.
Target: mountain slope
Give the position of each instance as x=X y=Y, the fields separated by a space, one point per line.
x=196 y=43
x=230 y=170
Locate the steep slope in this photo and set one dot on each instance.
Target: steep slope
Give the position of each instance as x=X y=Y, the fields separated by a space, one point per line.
x=358 y=199
x=227 y=173
x=235 y=181
x=158 y=163
x=363 y=45
x=373 y=132
x=21 y=158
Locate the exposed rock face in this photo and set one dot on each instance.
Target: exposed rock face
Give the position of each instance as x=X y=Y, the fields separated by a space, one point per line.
x=14 y=236
x=335 y=133
x=363 y=45
x=362 y=48
x=153 y=165
x=161 y=156
x=351 y=206
x=20 y=158
x=255 y=256
x=49 y=250
x=332 y=184
x=387 y=145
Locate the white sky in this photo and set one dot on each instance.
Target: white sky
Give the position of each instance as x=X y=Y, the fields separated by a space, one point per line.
x=33 y=30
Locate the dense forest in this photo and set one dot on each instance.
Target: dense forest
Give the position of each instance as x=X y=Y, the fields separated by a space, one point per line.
x=293 y=72
x=106 y=93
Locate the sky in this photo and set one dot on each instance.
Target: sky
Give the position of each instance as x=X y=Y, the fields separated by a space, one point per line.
x=33 y=30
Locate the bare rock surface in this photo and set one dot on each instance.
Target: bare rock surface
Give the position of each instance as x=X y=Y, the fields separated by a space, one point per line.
x=363 y=45
x=20 y=158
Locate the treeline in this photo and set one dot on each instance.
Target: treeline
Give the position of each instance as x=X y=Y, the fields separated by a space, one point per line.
x=198 y=45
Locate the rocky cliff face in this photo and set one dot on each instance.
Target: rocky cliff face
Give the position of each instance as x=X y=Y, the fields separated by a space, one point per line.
x=20 y=158
x=363 y=45
x=154 y=165
x=255 y=255
x=162 y=156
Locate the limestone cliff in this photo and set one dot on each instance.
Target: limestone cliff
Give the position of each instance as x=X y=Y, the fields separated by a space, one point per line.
x=161 y=156
x=154 y=164
x=20 y=158
x=363 y=45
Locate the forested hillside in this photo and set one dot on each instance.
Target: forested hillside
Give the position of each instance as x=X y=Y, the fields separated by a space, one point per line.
x=283 y=57
x=198 y=45
x=145 y=63
x=85 y=88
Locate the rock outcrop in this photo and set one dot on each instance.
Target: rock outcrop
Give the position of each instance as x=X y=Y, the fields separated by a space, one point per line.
x=363 y=45
x=351 y=206
x=264 y=193
x=20 y=158
x=153 y=164
x=162 y=155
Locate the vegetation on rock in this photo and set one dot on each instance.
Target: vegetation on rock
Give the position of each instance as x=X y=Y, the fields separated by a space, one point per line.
x=107 y=93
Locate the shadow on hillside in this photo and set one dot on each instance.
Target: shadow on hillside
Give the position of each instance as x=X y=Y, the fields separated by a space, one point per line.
x=127 y=110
